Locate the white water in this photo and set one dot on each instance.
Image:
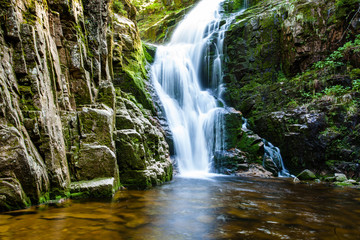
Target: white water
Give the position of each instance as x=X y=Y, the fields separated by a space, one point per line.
x=187 y=75
x=181 y=74
x=272 y=152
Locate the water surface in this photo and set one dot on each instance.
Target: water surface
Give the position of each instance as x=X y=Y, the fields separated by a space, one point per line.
x=213 y=208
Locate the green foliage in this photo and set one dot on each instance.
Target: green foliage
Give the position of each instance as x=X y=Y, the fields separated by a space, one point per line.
x=156 y=6
x=336 y=90
x=356 y=85
x=292 y=104
x=328 y=63
x=118 y=7
x=336 y=58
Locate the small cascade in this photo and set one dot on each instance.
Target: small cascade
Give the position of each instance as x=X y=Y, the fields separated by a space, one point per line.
x=245 y=124
x=273 y=153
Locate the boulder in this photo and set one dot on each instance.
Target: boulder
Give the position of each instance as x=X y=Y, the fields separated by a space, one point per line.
x=12 y=195
x=306 y=175
x=255 y=170
x=96 y=188
x=95 y=161
x=230 y=161
x=340 y=177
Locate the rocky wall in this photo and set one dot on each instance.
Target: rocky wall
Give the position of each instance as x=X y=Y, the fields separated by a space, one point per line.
x=274 y=77
x=66 y=69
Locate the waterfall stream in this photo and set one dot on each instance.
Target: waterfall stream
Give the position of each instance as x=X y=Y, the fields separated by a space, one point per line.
x=187 y=75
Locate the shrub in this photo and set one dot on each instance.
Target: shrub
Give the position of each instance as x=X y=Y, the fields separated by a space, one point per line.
x=336 y=90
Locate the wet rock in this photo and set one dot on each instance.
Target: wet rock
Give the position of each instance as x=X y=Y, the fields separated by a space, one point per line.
x=61 y=66
x=96 y=188
x=269 y=165
x=255 y=170
x=242 y=139
x=95 y=161
x=306 y=175
x=340 y=177
x=329 y=179
x=21 y=165
x=296 y=180
x=12 y=195
x=97 y=125
x=228 y=162
x=142 y=152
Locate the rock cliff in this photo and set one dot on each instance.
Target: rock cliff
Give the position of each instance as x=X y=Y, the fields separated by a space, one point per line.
x=292 y=69
x=74 y=107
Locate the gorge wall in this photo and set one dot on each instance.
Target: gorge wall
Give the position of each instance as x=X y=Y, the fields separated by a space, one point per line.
x=293 y=71
x=76 y=117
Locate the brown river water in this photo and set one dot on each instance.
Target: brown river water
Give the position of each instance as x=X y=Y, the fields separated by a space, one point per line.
x=214 y=208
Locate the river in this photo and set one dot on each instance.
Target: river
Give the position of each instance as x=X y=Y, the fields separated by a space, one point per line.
x=219 y=207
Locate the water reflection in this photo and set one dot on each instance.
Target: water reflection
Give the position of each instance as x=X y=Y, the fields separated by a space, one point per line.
x=219 y=208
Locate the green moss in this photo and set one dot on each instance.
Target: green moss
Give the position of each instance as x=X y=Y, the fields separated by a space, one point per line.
x=132 y=77
x=26 y=99
x=343 y=184
x=149 y=52
x=136 y=179
x=44 y=198
x=118 y=7
x=55 y=193
x=30 y=15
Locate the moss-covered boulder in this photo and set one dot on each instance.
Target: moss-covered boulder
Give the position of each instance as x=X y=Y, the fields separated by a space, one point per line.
x=97 y=188
x=240 y=138
x=306 y=175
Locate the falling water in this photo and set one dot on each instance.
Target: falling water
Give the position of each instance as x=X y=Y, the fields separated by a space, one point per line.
x=271 y=152
x=274 y=154
x=187 y=75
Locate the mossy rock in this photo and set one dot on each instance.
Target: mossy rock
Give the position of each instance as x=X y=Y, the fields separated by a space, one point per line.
x=306 y=175
x=12 y=196
x=138 y=179
x=96 y=188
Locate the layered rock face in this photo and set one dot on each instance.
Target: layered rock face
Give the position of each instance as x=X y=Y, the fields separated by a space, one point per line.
x=292 y=71
x=73 y=102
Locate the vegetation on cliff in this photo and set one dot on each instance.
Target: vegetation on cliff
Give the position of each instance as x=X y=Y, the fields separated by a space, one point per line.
x=293 y=70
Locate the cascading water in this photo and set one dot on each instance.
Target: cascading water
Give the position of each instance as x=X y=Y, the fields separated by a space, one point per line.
x=187 y=75
x=188 y=81
x=271 y=152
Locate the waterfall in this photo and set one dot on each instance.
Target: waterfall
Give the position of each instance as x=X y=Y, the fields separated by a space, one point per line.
x=187 y=75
